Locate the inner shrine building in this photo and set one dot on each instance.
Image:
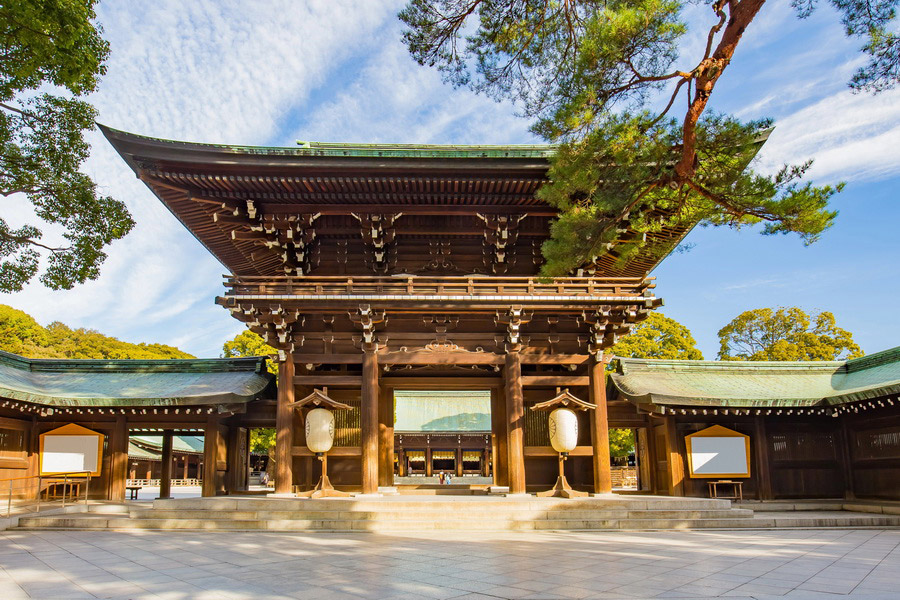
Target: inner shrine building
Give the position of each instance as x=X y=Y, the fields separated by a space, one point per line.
x=401 y=281
x=374 y=269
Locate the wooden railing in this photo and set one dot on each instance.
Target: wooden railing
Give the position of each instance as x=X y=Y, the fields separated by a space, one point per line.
x=69 y=484
x=625 y=287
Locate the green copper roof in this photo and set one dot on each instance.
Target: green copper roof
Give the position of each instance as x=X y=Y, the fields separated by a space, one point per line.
x=97 y=383
x=444 y=410
x=742 y=384
x=331 y=149
x=180 y=443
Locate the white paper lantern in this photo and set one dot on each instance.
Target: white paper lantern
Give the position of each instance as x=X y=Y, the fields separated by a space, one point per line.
x=563 y=430
x=319 y=430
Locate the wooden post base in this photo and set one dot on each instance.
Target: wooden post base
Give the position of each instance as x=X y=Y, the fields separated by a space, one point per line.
x=323 y=488
x=562 y=489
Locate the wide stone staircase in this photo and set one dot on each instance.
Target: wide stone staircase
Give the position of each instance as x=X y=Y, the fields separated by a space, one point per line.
x=467 y=513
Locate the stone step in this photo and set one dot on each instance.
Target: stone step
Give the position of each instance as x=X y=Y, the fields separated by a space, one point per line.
x=377 y=525
x=403 y=504
x=423 y=515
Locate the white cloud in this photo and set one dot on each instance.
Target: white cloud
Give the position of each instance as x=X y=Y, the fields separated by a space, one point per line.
x=225 y=72
x=850 y=136
x=391 y=99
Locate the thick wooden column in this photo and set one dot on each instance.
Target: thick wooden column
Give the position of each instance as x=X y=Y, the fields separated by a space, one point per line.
x=118 y=464
x=499 y=438
x=215 y=456
x=386 y=437
x=165 y=479
x=515 y=421
x=368 y=416
x=284 y=428
x=429 y=464
x=459 y=462
x=238 y=460
x=599 y=425
x=763 y=474
x=846 y=439
x=675 y=460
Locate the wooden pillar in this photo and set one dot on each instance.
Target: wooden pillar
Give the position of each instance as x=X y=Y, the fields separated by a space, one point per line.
x=165 y=478
x=118 y=463
x=599 y=424
x=386 y=437
x=368 y=416
x=763 y=473
x=215 y=457
x=515 y=420
x=846 y=439
x=675 y=461
x=499 y=438
x=284 y=432
x=459 y=462
x=238 y=460
x=429 y=466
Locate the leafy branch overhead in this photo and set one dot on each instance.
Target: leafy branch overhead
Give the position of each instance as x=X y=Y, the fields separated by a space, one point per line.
x=52 y=44
x=603 y=79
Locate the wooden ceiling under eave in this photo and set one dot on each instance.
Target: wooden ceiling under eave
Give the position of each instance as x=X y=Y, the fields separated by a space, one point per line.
x=195 y=180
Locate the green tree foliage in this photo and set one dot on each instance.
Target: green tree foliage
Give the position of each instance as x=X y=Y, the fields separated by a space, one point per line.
x=785 y=334
x=659 y=337
x=52 y=45
x=248 y=343
x=263 y=440
x=21 y=334
x=621 y=442
x=592 y=75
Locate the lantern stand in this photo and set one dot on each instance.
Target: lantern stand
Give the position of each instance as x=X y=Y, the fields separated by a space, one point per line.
x=320 y=400
x=562 y=405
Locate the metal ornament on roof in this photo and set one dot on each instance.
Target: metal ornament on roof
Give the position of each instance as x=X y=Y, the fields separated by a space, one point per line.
x=563 y=429
x=564 y=399
x=320 y=399
x=319 y=429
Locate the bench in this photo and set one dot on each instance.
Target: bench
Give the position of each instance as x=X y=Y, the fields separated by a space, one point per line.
x=133 y=491
x=737 y=492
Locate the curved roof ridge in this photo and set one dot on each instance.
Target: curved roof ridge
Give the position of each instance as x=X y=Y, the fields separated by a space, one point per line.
x=398 y=150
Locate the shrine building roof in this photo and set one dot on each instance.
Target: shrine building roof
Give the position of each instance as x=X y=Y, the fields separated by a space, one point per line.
x=439 y=189
x=757 y=384
x=133 y=383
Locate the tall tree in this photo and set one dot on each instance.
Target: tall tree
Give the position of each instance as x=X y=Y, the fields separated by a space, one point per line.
x=593 y=74
x=785 y=334
x=247 y=343
x=659 y=337
x=52 y=45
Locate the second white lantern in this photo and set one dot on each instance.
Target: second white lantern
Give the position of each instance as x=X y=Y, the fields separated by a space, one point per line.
x=319 y=430
x=563 y=430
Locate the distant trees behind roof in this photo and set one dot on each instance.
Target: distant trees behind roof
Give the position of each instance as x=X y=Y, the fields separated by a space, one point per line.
x=659 y=337
x=21 y=334
x=786 y=334
x=761 y=334
x=247 y=343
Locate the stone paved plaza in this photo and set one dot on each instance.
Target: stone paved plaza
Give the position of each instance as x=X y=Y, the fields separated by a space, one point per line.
x=196 y=565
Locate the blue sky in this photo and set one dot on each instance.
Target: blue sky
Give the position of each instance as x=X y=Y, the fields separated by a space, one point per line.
x=271 y=73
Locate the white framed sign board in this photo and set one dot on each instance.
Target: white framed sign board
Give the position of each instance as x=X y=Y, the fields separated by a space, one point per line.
x=718 y=452
x=71 y=449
